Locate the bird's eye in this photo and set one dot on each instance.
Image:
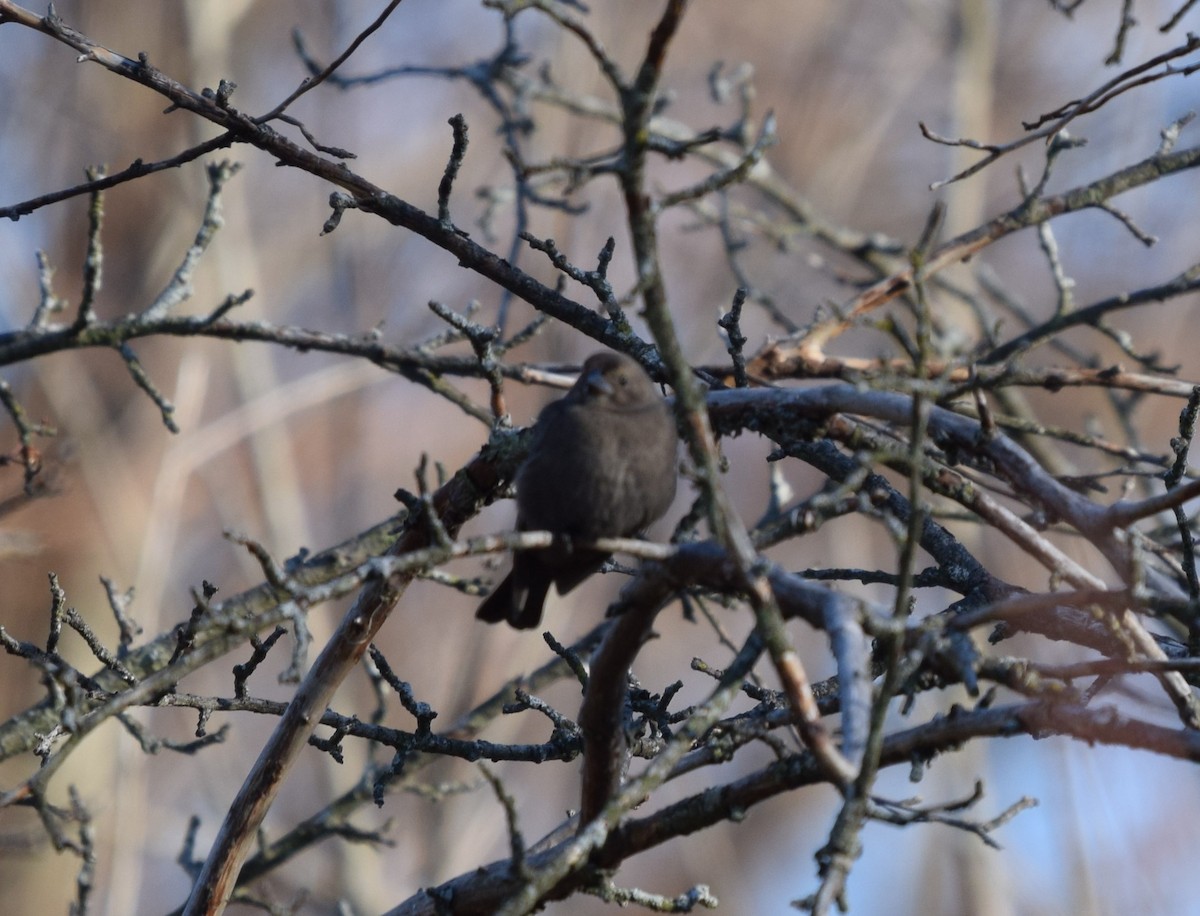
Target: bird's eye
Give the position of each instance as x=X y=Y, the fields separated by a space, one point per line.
x=622 y=379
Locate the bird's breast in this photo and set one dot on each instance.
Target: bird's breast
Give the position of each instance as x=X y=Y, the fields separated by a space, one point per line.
x=598 y=474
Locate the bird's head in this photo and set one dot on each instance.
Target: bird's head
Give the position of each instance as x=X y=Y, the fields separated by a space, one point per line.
x=614 y=380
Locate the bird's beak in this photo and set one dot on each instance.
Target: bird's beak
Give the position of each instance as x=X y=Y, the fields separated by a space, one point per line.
x=595 y=383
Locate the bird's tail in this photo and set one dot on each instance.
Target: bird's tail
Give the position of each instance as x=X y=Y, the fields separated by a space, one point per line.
x=521 y=608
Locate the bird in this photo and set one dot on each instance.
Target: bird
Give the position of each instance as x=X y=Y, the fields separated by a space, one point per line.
x=602 y=462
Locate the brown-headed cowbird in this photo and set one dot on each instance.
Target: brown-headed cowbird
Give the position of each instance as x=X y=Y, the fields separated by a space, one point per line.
x=602 y=463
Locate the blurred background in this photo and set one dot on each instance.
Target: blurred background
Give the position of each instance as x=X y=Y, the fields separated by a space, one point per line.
x=304 y=450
